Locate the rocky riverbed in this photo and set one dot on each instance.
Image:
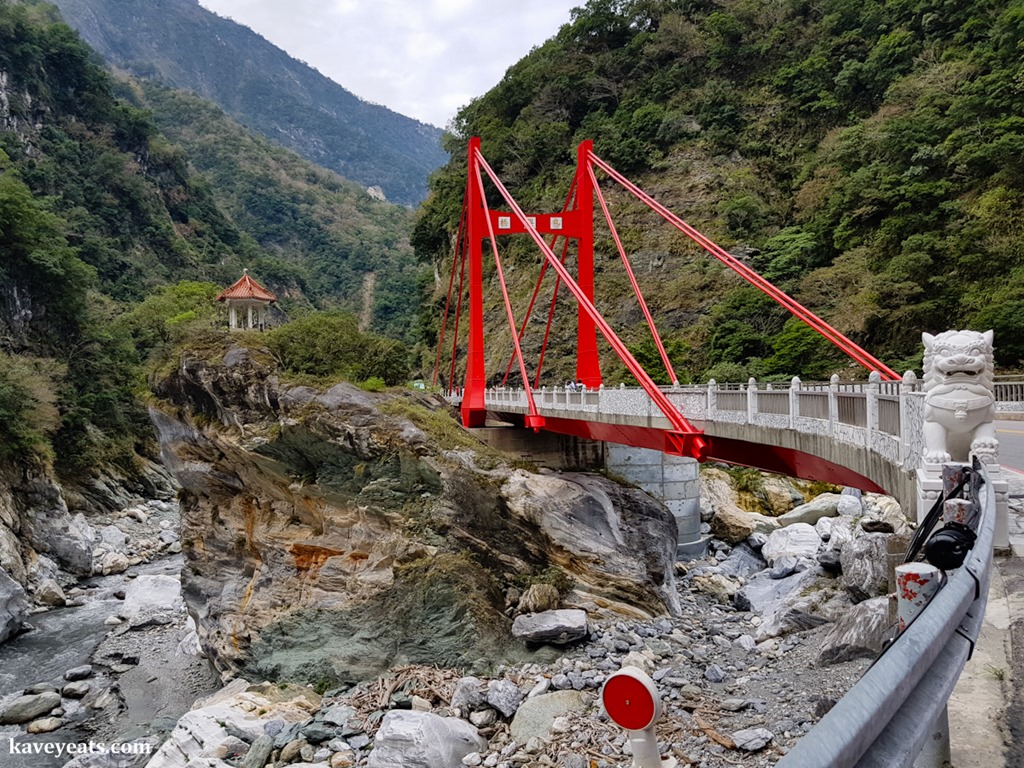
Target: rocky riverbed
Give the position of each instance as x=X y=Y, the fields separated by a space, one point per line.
x=770 y=633
x=114 y=656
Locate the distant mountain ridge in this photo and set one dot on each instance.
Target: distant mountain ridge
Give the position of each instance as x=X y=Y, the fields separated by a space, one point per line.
x=182 y=44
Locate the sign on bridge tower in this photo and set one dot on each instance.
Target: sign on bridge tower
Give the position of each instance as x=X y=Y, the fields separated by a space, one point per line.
x=574 y=222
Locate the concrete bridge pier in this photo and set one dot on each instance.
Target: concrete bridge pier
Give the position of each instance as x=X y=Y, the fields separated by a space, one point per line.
x=672 y=479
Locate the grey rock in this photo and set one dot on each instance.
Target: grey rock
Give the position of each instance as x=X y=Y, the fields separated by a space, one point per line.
x=850 y=506
x=50 y=529
x=423 y=740
x=28 y=707
x=795 y=540
x=752 y=739
x=743 y=561
x=784 y=566
x=152 y=594
x=483 y=718
x=715 y=674
x=338 y=715
x=76 y=690
x=44 y=725
x=504 y=696
x=468 y=695
x=318 y=733
x=830 y=560
x=746 y=642
x=859 y=633
x=49 y=592
x=14 y=606
x=114 y=539
x=757 y=540
x=780 y=602
x=823 y=505
x=864 y=563
x=258 y=753
x=556 y=627
x=733 y=705
x=78 y=673
x=535 y=716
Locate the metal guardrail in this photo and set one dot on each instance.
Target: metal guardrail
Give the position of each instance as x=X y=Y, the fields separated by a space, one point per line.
x=885 y=720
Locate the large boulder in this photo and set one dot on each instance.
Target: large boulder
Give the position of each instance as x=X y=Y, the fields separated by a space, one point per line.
x=795 y=540
x=236 y=710
x=732 y=524
x=865 y=566
x=784 y=605
x=556 y=627
x=50 y=529
x=885 y=509
x=860 y=632
x=28 y=707
x=11 y=559
x=535 y=716
x=409 y=739
x=150 y=594
x=742 y=562
x=823 y=505
x=14 y=606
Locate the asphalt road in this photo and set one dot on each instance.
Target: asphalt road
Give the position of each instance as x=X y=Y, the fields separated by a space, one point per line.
x=1011 y=444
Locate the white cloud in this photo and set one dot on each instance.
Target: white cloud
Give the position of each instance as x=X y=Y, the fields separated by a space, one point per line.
x=423 y=58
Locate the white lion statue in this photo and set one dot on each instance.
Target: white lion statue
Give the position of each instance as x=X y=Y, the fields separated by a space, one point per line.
x=959 y=401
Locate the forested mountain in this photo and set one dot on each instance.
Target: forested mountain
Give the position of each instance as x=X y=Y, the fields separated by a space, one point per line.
x=866 y=156
x=110 y=241
x=322 y=238
x=181 y=44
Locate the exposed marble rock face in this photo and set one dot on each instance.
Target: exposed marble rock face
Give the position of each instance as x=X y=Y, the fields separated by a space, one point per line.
x=327 y=540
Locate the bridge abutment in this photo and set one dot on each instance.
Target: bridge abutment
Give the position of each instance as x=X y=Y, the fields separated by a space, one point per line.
x=675 y=480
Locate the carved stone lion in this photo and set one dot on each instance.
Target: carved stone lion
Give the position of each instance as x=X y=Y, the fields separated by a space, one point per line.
x=959 y=400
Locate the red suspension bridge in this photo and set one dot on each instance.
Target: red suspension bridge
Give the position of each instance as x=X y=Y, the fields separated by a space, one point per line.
x=479 y=223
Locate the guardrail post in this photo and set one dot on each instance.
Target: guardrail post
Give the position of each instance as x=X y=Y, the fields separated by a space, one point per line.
x=794 y=401
x=751 y=399
x=712 y=399
x=833 y=403
x=871 y=406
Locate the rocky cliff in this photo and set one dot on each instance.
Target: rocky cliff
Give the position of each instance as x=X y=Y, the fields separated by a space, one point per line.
x=330 y=535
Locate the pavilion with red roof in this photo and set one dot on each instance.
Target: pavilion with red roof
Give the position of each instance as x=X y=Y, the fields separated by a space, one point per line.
x=249 y=300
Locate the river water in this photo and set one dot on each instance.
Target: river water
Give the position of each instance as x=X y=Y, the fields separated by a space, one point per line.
x=63 y=638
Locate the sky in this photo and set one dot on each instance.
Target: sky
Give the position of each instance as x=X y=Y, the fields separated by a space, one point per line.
x=421 y=58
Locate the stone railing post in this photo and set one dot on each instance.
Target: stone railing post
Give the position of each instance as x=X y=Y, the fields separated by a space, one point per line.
x=712 y=399
x=907 y=385
x=751 y=399
x=871 y=393
x=794 y=401
x=833 y=403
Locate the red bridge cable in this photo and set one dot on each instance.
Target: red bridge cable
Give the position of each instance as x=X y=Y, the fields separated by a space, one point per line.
x=678 y=421
x=504 y=291
x=632 y=278
x=540 y=280
x=458 y=309
x=551 y=316
x=451 y=282
x=846 y=345
x=819 y=325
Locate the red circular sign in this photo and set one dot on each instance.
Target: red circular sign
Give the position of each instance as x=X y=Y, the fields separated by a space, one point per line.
x=628 y=702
